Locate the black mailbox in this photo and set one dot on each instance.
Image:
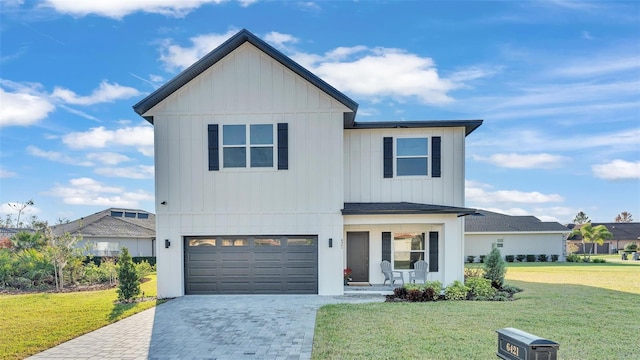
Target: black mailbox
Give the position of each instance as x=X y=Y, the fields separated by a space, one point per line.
x=514 y=344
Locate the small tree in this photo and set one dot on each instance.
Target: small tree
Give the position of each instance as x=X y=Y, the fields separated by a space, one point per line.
x=592 y=234
x=581 y=218
x=62 y=250
x=624 y=217
x=494 y=268
x=129 y=286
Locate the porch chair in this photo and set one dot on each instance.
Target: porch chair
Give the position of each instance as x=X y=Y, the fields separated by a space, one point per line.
x=419 y=272
x=389 y=274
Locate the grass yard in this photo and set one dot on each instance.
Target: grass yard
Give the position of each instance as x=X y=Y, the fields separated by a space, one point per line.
x=591 y=310
x=35 y=322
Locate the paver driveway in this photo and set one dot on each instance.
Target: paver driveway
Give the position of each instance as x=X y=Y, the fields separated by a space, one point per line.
x=209 y=327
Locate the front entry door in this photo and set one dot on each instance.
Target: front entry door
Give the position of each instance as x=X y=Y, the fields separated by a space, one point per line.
x=358 y=255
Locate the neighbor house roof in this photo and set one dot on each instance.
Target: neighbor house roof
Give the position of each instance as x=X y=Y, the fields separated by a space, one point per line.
x=225 y=49
x=397 y=208
x=113 y=222
x=620 y=231
x=487 y=221
x=469 y=125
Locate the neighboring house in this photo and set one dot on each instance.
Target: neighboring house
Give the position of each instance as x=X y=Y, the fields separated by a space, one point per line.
x=623 y=234
x=265 y=183
x=513 y=235
x=110 y=230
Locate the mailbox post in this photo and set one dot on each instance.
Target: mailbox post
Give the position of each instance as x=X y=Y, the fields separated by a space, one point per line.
x=514 y=344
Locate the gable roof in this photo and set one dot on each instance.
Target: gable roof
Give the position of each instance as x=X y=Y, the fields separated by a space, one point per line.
x=488 y=221
x=225 y=49
x=620 y=231
x=401 y=208
x=102 y=224
x=469 y=125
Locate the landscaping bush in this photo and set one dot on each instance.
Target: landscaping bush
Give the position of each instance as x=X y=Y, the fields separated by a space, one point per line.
x=473 y=272
x=482 y=257
x=143 y=269
x=494 y=268
x=480 y=288
x=599 y=260
x=400 y=292
x=573 y=258
x=531 y=258
x=510 y=289
x=631 y=247
x=436 y=286
x=456 y=291
x=471 y=258
x=521 y=258
x=542 y=258
x=554 y=258
x=509 y=258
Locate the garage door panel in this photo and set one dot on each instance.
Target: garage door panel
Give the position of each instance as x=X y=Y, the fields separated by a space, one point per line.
x=285 y=265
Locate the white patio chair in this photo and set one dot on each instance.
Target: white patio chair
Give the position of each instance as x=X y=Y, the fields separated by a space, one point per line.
x=419 y=272
x=389 y=274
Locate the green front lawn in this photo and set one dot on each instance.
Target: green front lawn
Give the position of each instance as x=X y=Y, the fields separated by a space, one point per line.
x=35 y=322
x=591 y=310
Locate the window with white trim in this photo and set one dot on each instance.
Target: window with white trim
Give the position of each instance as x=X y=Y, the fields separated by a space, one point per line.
x=244 y=145
x=412 y=156
x=408 y=247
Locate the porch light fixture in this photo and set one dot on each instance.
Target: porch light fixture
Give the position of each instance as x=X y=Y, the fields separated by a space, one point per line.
x=167 y=243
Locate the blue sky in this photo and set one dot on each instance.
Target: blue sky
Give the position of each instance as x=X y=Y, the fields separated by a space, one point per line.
x=557 y=84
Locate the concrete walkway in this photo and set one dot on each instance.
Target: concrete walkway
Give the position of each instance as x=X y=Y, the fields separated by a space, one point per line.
x=209 y=327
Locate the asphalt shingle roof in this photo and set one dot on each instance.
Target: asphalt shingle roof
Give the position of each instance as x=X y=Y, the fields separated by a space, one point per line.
x=620 y=231
x=103 y=224
x=487 y=221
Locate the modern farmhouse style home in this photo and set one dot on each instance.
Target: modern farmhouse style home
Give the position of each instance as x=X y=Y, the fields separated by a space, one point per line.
x=265 y=183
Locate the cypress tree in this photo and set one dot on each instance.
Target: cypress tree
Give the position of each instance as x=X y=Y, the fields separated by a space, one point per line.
x=494 y=268
x=129 y=286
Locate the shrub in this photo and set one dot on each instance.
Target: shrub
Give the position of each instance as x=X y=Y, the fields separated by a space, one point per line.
x=480 y=287
x=143 y=269
x=631 y=247
x=471 y=258
x=599 y=260
x=456 y=291
x=129 y=286
x=520 y=258
x=494 y=268
x=573 y=258
x=511 y=289
x=542 y=258
x=482 y=257
x=509 y=258
x=531 y=258
x=554 y=258
x=400 y=292
x=436 y=286
x=414 y=295
x=473 y=272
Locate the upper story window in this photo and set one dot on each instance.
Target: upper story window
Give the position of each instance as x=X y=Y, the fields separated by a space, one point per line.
x=412 y=157
x=242 y=145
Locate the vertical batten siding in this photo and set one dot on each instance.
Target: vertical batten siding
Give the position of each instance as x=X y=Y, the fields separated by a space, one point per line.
x=243 y=88
x=364 y=180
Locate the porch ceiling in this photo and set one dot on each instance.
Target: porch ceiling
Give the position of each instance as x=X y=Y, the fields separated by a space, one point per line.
x=402 y=208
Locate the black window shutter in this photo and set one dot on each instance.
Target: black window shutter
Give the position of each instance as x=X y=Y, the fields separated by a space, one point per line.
x=214 y=158
x=283 y=146
x=387 y=148
x=386 y=246
x=435 y=156
x=433 y=251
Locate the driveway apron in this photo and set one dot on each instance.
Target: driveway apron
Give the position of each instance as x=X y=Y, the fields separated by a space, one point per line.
x=209 y=327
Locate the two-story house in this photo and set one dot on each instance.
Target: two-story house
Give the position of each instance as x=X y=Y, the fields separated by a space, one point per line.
x=265 y=183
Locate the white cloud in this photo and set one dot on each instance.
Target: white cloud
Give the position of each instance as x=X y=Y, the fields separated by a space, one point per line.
x=524 y=161
x=4 y=173
x=108 y=158
x=23 y=108
x=106 y=92
x=8 y=208
x=617 y=170
x=140 y=137
x=56 y=156
x=176 y=57
x=131 y=172
x=87 y=191
x=483 y=194
x=279 y=40
x=119 y=8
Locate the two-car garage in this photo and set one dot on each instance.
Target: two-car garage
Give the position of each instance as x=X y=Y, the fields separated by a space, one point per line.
x=251 y=264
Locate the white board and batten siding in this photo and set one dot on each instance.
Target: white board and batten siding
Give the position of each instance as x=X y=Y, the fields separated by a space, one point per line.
x=363 y=163
x=248 y=87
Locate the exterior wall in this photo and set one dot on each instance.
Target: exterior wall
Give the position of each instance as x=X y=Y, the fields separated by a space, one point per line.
x=515 y=244
x=248 y=87
x=363 y=163
x=450 y=244
x=136 y=246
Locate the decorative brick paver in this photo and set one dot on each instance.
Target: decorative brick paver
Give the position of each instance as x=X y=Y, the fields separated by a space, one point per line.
x=222 y=327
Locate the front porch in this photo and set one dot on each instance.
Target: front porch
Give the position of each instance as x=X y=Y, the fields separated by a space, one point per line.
x=371 y=289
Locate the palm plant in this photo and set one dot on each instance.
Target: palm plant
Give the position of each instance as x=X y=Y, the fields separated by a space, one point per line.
x=592 y=234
